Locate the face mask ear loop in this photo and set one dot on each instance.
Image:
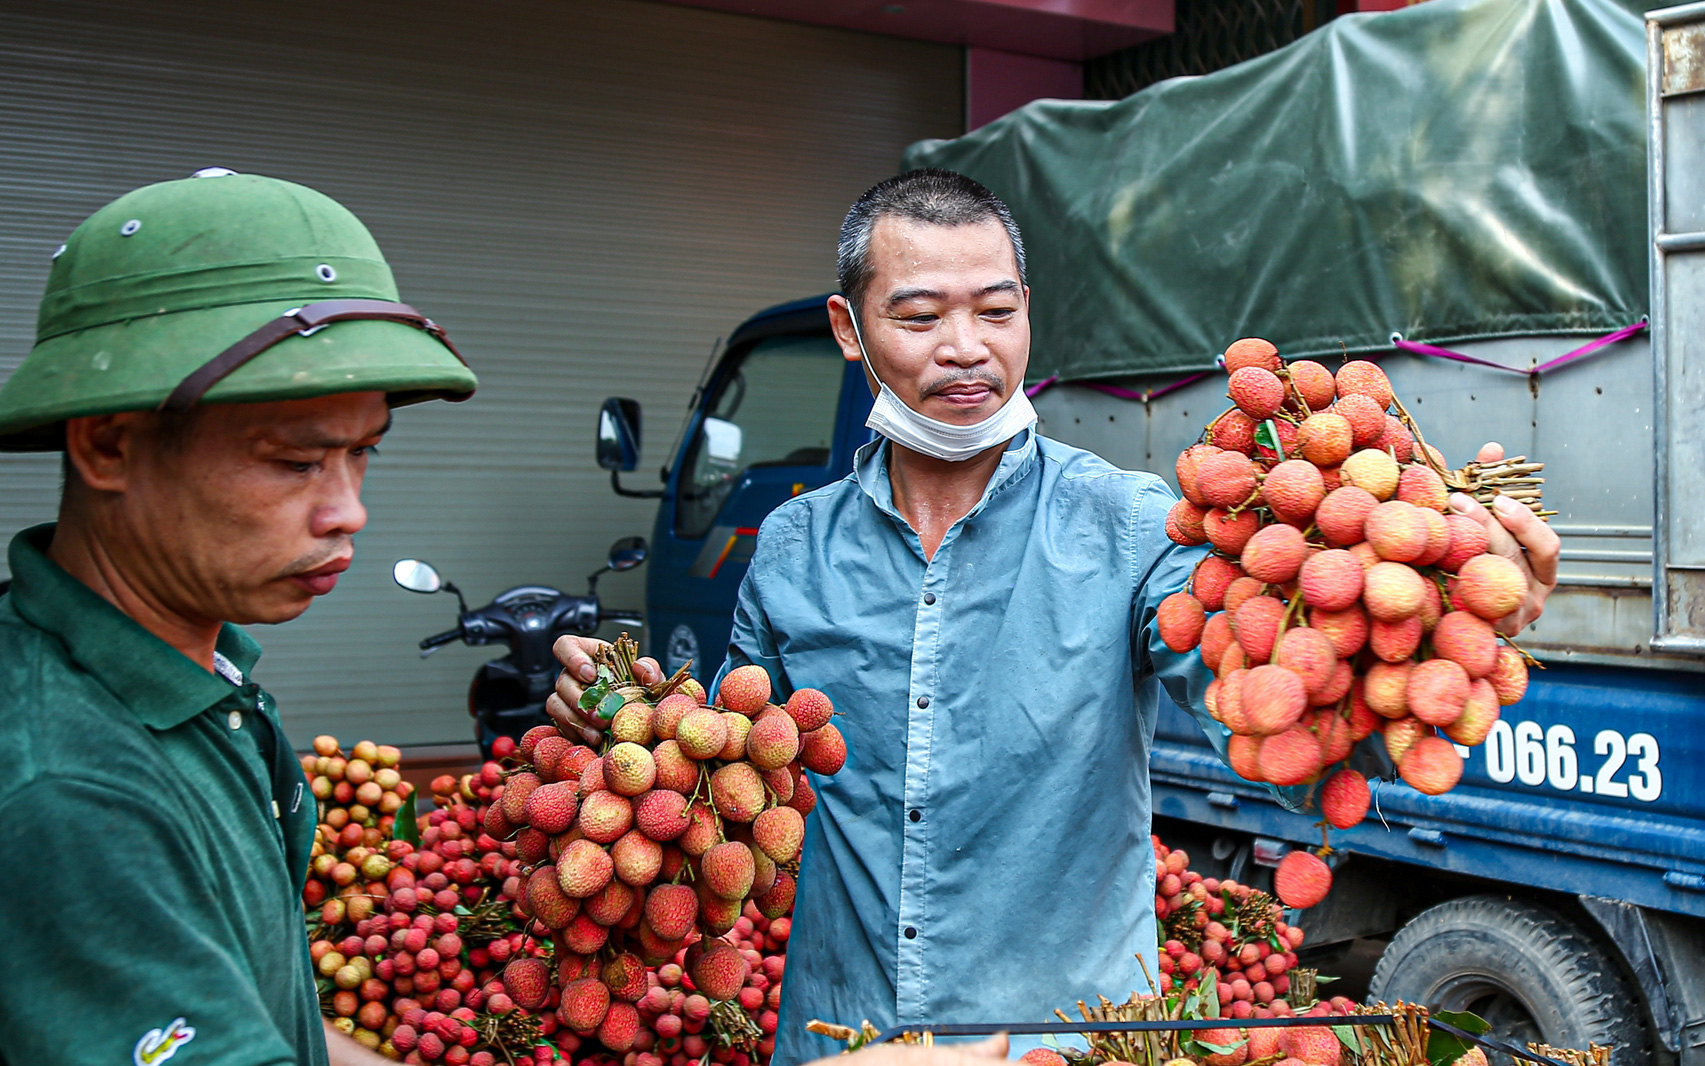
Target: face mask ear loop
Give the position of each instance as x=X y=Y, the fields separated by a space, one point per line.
x=863 y=352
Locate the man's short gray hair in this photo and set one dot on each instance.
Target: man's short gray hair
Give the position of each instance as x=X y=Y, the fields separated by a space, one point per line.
x=938 y=197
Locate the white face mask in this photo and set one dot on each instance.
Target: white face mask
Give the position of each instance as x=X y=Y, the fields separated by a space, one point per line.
x=891 y=417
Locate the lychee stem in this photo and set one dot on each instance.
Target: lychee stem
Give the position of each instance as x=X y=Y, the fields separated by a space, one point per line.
x=1246 y=504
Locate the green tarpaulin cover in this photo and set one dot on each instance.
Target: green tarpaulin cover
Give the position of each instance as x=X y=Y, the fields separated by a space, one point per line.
x=1458 y=169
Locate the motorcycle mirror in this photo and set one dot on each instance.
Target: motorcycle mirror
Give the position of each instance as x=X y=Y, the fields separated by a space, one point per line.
x=618 y=434
x=627 y=553
x=416 y=576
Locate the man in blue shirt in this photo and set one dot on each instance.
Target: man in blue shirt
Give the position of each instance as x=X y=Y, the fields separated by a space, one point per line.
x=979 y=602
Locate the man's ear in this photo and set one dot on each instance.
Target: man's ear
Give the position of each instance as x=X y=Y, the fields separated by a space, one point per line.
x=846 y=336
x=102 y=448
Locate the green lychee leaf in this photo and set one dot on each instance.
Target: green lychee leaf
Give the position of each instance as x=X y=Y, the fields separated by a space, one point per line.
x=406 y=827
x=596 y=694
x=609 y=705
x=1467 y=1021
x=1444 y=1048
x=1266 y=435
x=461 y=910
x=1347 y=1036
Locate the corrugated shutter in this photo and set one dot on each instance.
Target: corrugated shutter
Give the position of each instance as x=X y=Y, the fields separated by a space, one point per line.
x=585 y=193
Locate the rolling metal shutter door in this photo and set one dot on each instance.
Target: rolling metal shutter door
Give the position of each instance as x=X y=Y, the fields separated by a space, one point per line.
x=586 y=194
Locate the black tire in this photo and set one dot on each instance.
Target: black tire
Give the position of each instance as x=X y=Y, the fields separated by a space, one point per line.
x=1529 y=971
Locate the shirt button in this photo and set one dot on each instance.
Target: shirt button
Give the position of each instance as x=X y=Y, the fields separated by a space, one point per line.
x=917 y=815
x=929 y=599
x=911 y=933
x=923 y=701
x=235 y=718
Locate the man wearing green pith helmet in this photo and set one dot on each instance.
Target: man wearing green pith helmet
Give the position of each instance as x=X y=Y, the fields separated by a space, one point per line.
x=216 y=357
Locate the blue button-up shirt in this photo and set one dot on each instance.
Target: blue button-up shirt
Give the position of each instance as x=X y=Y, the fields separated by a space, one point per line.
x=984 y=855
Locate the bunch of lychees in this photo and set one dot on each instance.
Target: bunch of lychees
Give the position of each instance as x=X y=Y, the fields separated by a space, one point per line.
x=1342 y=599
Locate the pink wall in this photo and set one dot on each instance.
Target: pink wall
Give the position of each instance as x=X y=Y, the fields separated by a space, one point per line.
x=999 y=82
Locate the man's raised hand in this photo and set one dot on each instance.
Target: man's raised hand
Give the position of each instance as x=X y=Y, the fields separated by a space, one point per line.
x=1520 y=536
x=580 y=670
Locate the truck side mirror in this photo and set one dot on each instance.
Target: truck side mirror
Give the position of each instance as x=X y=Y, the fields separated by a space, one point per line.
x=618 y=434
x=627 y=553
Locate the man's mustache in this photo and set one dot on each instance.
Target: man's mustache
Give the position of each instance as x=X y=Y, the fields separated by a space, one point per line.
x=980 y=375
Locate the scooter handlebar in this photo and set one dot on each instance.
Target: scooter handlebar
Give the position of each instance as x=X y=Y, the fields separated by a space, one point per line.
x=441 y=639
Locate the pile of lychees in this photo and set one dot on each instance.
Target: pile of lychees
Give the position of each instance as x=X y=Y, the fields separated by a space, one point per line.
x=651 y=850
x=412 y=957
x=1341 y=599
x=1231 y=934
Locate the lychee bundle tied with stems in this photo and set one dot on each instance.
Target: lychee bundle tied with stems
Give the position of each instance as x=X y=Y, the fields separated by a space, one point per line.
x=651 y=848
x=1343 y=603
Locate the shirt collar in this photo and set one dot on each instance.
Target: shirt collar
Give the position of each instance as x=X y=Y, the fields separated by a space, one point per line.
x=870 y=470
x=160 y=685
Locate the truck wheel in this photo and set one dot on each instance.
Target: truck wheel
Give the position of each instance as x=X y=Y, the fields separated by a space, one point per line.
x=1528 y=971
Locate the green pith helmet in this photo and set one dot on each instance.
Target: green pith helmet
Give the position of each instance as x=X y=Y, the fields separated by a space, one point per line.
x=180 y=292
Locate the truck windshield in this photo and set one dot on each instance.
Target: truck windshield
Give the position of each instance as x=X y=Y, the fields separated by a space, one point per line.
x=777 y=408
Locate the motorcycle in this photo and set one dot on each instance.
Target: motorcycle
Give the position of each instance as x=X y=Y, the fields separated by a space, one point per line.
x=507 y=696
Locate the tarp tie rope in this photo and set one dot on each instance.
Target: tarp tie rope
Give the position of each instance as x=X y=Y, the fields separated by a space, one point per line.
x=1397 y=341
x=1417 y=348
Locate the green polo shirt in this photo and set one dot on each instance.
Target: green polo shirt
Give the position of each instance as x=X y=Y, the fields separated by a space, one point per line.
x=154 y=835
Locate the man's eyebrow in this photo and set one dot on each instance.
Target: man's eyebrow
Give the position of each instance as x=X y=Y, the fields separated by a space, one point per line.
x=900 y=296
x=339 y=442
x=1000 y=286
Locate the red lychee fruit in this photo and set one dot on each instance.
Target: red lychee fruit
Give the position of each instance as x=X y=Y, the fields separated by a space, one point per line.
x=1386 y=688
x=1467 y=539
x=1397 y=531
x=1490 y=585
x=1372 y=470
x=527 y=981
x=637 y=858
x=1437 y=691
x=591 y=778
x=671 y=910
x=1509 y=676
x=1324 y=438
x=1228 y=703
x=745 y=690
x=1041 y=1056
x=1293 y=489
x=773 y=742
x=1252 y=351
x=1359 y=377
x=1396 y=441
x=728 y=869
x=529 y=741
x=1273 y=698
x=1336 y=687
x=779 y=831
x=1395 y=641
x=1216 y=637
x=1229 y=532
x=1186 y=470
x=1479 y=714
x=585 y=934
x=661 y=814
x=737 y=792
x=1263 y=1043
x=823 y=751
x=1212 y=577
x=675 y=771
x=1431 y=766
x=1233 y=431
x=1330 y=580
x=720 y=972
x=1243 y=754
x=1310 y=656
x=547 y=753
x=667 y=715
x=1275 y=554
x=629 y=769
x=1393 y=591
x=584 y=1004
x=546 y=901
x=1347 y=630
x=1401 y=733
x=1467 y=639
x=1316 y=1045
x=735 y=746
x=604 y=817
x=1314 y=383
x=607 y=906
x=804 y=798
x=620 y=1028
x=1342 y=516
x=1422 y=487
x=1225 y=479
x=1240 y=592
x=1256 y=625
x=516 y=789
x=624 y=976
x=1438 y=537
x=1184 y=524
x=1344 y=799
x=1367 y=422
x=1257 y=392
x=583 y=869
x=550 y=808
x=1301 y=880
x=809 y=709
x=1180 y=618
x=702 y=733
x=1290 y=757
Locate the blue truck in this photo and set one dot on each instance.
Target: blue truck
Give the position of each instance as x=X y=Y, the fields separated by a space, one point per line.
x=1559 y=890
